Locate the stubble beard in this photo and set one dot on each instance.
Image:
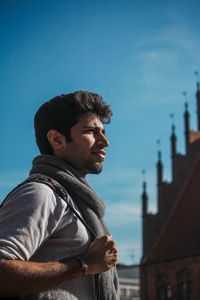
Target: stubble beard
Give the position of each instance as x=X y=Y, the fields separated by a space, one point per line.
x=94 y=167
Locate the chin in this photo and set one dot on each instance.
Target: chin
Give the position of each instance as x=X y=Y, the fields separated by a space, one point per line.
x=95 y=168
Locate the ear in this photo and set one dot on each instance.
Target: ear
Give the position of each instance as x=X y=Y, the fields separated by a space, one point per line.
x=56 y=139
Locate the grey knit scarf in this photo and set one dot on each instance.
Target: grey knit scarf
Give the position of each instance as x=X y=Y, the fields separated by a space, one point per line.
x=91 y=206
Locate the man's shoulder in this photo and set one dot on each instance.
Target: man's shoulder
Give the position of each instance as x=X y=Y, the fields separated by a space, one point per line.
x=34 y=191
x=34 y=186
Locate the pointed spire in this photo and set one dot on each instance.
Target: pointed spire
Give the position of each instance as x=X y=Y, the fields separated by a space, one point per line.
x=173 y=141
x=198 y=107
x=144 y=188
x=187 y=128
x=159 y=169
x=173 y=150
x=144 y=197
x=198 y=104
x=198 y=99
x=198 y=86
x=186 y=107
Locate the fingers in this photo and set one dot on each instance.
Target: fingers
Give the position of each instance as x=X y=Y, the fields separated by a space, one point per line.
x=110 y=243
x=107 y=243
x=101 y=255
x=112 y=257
x=107 y=239
x=111 y=249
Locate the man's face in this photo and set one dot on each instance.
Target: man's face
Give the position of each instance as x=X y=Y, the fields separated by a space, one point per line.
x=86 y=151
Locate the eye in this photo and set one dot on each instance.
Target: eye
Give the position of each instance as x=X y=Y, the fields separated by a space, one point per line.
x=89 y=130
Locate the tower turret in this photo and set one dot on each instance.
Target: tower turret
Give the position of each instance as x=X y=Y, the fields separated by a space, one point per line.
x=198 y=105
x=144 y=200
x=159 y=169
x=187 y=128
x=173 y=142
x=173 y=149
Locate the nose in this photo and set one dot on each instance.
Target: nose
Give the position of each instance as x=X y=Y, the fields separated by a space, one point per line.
x=103 y=140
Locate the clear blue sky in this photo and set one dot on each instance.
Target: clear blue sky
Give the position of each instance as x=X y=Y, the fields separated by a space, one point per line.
x=139 y=55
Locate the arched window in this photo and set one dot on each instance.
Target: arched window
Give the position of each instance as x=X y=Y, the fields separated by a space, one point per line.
x=185 y=291
x=163 y=287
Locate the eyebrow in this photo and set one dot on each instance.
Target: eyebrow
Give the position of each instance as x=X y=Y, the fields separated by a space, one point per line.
x=95 y=127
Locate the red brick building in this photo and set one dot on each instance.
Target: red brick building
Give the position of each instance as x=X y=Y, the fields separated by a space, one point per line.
x=170 y=266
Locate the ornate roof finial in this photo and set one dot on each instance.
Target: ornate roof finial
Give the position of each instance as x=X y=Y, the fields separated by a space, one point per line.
x=198 y=80
x=144 y=195
x=144 y=179
x=173 y=125
x=158 y=142
x=186 y=103
x=172 y=118
x=144 y=175
x=185 y=95
x=196 y=74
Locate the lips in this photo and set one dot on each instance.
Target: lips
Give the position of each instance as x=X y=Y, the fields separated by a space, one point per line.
x=100 y=153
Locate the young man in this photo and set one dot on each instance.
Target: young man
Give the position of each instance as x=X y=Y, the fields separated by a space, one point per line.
x=46 y=252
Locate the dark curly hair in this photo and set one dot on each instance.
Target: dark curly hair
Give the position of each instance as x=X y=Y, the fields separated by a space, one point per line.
x=62 y=113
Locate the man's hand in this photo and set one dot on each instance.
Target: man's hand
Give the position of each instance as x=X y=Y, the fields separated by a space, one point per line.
x=101 y=255
x=31 y=277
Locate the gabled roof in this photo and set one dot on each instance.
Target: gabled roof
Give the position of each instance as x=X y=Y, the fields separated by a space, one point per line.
x=180 y=236
x=194 y=136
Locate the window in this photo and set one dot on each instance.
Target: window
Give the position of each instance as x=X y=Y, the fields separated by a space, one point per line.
x=163 y=287
x=133 y=292
x=185 y=290
x=164 y=292
x=123 y=292
x=185 y=284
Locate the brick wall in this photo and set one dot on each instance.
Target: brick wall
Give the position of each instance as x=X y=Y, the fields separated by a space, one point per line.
x=171 y=274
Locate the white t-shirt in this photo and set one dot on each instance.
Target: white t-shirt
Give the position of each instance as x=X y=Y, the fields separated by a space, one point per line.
x=38 y=225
